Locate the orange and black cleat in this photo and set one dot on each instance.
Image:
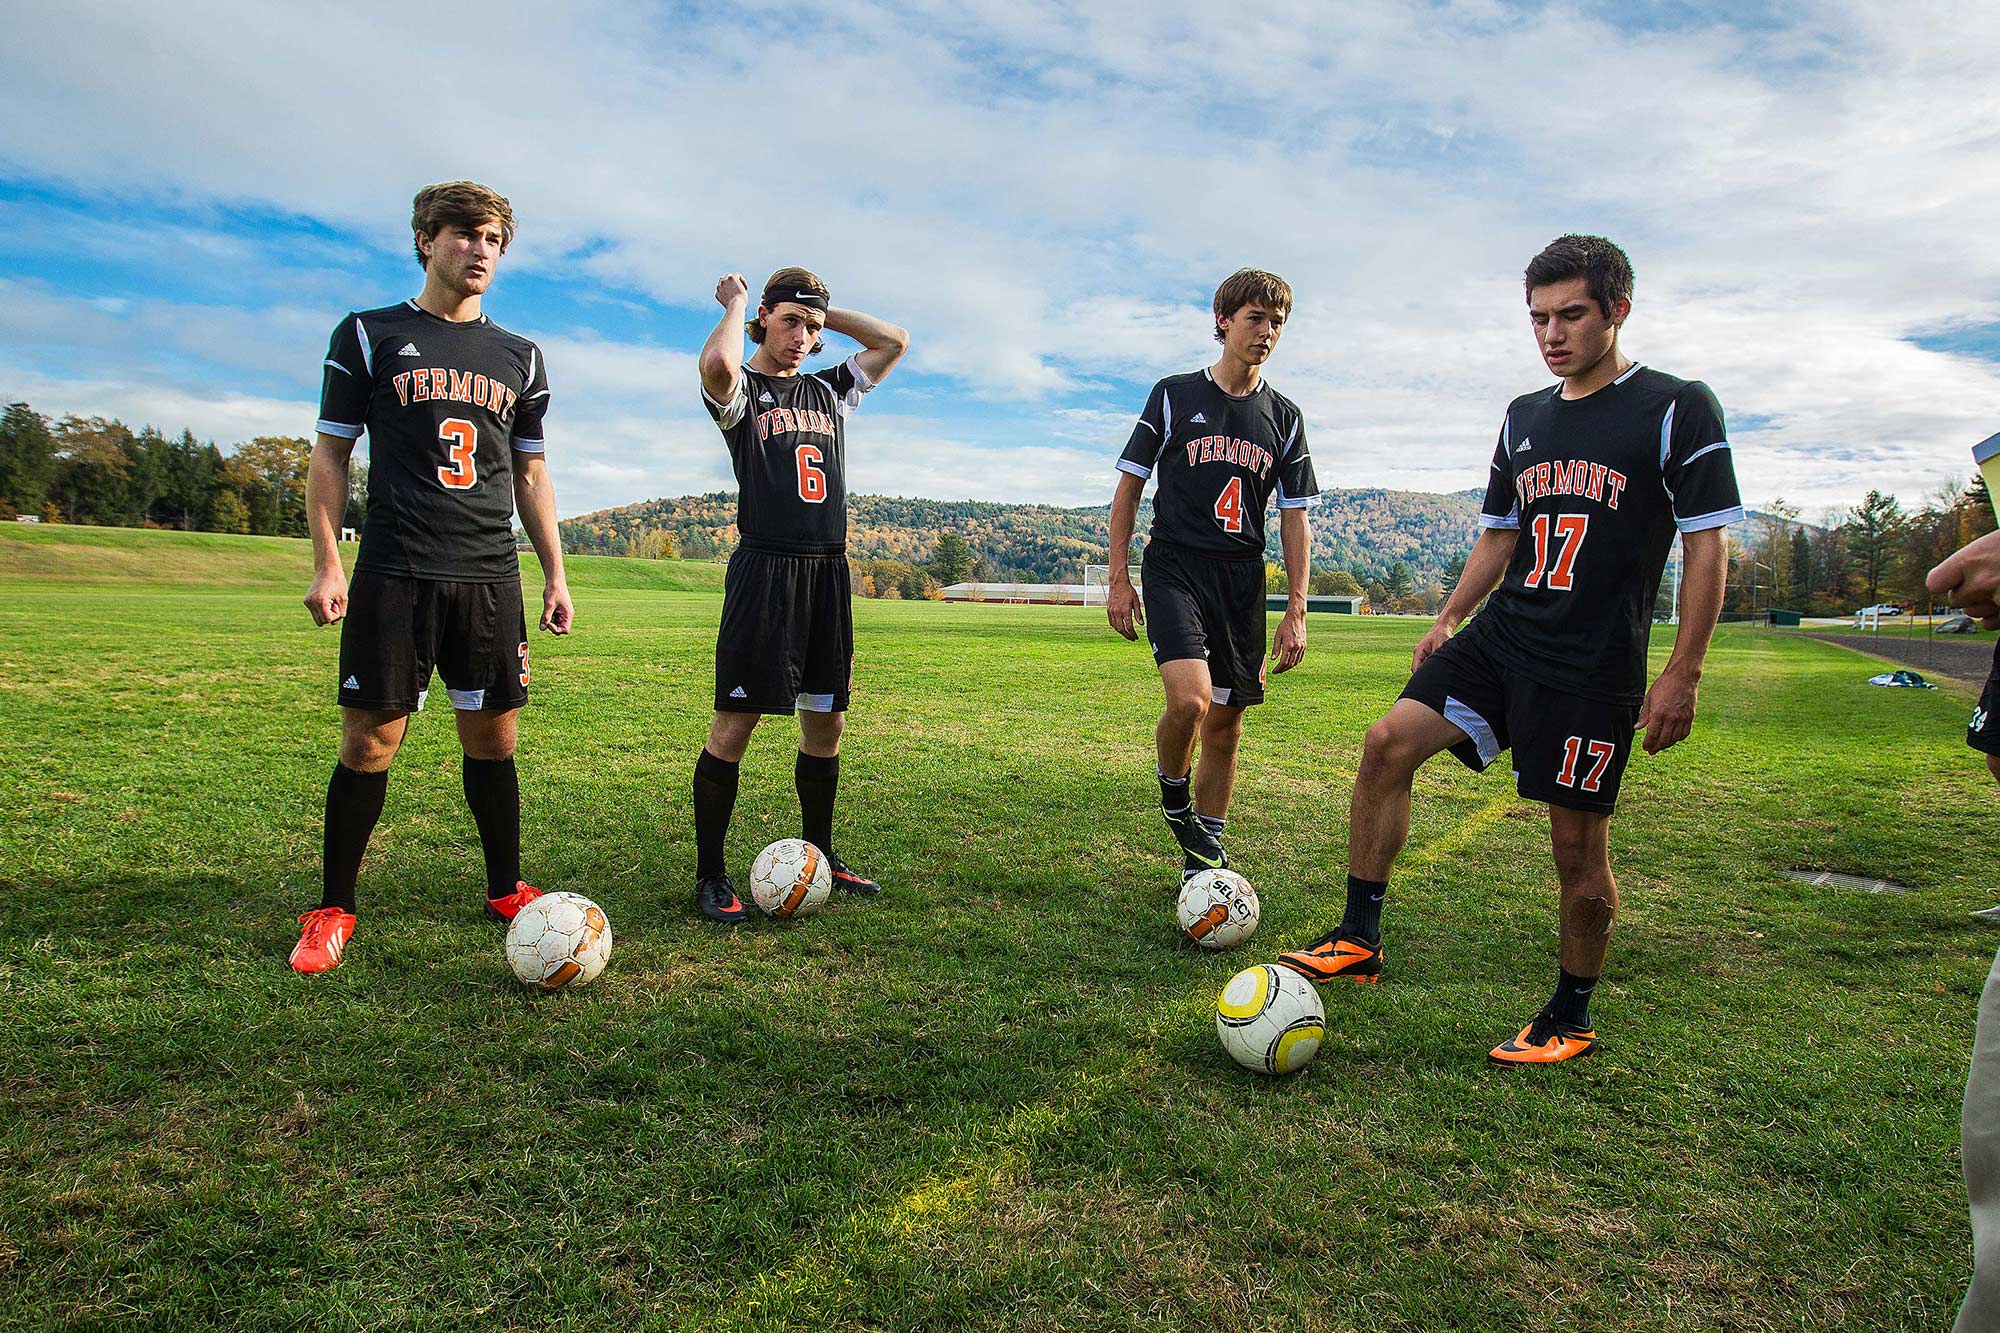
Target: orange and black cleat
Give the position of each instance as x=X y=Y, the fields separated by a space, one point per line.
x=846 y=878
x=1337 y=956
x=1543 y=1042
x=508 y=907
x=324 y=936
x=716 y=897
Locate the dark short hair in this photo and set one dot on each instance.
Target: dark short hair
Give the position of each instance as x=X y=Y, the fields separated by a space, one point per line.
x=463 y=204
x=1247 y=286
x=1603 y=266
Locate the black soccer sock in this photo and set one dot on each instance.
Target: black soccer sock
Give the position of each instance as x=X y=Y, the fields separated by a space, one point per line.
x=1571 y=1006
x=1363 y=916
x=714 y=802
x=817 y=778
x=493 y=790
x=1173 y=792
x=353 y=804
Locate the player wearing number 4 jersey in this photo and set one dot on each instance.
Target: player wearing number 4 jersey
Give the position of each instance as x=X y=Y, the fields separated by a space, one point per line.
x=1222 y=443
x=452 y=405
x=787 y=638
x=1590 y=480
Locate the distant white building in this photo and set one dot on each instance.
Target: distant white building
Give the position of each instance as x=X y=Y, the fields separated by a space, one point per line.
x=1039 y=594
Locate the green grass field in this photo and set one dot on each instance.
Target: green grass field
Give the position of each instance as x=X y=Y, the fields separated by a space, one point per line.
x=993 y=1099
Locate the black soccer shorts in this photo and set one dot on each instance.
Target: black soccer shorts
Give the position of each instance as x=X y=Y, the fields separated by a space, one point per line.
x=787 y=637
x=1203 y=606
x=1984 y=733
x=398 y=630
x=1568 y=750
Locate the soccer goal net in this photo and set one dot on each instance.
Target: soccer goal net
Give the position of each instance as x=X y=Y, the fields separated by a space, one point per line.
x=1097 y=583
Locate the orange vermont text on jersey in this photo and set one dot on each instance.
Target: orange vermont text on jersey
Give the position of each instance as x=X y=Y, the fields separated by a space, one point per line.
x=1222 y=449
x=458 y=386
x=806 y=420
x=1593 y=481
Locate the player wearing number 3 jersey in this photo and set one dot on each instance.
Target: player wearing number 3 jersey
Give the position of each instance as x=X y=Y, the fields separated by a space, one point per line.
x=787 y=639
x=1220 y=443
x=1590 y=481
x=452 y=405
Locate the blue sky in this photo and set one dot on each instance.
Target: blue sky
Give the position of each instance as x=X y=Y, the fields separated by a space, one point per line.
x=191 y=195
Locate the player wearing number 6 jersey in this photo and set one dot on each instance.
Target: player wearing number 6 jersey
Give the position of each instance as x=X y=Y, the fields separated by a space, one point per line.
x=1221 y=443
x=1590 y=481
x=453 y=406
x=787 y=639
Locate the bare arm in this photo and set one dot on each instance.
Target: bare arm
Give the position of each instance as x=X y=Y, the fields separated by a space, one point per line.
x=1484 y=568
x=1288 y=649
x=1667 y=716
x=721 y=358
x=1121 y=604
x=326 y=505
x=535 y=501
x=1969 y=579
x=882 y=343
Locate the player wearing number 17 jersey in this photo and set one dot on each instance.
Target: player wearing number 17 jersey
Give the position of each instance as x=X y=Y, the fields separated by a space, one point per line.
x=787 y=639
x=1222 y=444
x=452 y=405
x=1590 y=481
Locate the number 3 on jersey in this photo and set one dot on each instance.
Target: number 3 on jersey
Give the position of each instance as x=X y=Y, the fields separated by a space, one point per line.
x=1229 y=506
x=1569 y=530
x=812 y=479
x=460 y=438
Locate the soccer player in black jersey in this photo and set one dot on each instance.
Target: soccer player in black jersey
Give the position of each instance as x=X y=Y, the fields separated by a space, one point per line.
x=453 y=407
x=1222 y=442
x=787 y=639
x=1590 y=481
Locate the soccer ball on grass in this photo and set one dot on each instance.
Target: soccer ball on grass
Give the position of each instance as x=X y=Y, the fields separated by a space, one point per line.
x=1218 y=909
x=558 y=940
x=790 y=878
x=1269 y=1019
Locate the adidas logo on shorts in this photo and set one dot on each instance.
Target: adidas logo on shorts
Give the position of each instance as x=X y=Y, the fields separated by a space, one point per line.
x=350 y=684
x=738 y=693
x=409 y=349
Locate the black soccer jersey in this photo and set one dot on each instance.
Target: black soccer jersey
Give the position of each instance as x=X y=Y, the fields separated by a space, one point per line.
x=1597 y=485
x=1219 y=459
x=446 y=406
x=788 y=441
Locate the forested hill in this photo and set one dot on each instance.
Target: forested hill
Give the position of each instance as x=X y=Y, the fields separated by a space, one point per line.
x=1365 y=532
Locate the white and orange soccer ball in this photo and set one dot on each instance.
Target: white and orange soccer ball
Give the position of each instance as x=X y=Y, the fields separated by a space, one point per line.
x=1218 y=909
x=1269 y=1019
x=790 y=878
x=557 y=941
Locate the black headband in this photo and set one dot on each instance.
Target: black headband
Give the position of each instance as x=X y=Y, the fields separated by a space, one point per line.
x=796 y=295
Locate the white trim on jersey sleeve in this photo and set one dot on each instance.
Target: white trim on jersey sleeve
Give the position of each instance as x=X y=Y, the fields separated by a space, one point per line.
x=337 y=366
x=1293 y=502
x=361 y=336
x=339 y=428
x=1139 y=470
x=1166 y=424
x=731 y=412
x=1512 y=518
x=534 y=359
x=534 y=446
x=1721 y=518
x=845 y=403
x=1666 y=436
x=1707 y=449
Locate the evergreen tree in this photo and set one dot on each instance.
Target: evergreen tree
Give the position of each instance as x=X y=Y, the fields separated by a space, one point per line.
x=27 y=458
x=1871 y=540
x=952 y=560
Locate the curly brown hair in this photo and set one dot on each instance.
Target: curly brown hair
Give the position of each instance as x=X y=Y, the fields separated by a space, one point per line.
x=458 y=204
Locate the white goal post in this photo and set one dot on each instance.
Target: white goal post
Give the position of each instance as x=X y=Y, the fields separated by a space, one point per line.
x=1097 y=583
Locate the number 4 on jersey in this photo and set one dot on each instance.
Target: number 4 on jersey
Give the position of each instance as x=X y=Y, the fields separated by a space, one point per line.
x=1229 y=506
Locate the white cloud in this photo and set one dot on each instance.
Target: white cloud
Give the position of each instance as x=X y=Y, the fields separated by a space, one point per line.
x=1046 y=198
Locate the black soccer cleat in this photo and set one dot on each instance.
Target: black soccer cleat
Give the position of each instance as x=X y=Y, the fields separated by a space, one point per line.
x=1203 y=848
x=1191 y=867
x=847 y=880
x=716 y=897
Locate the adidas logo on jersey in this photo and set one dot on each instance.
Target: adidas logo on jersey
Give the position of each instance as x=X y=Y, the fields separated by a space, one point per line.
x=1198 y=420
x=409 y=349
x=765 y=398
x=1524 y=446
x=738 y=693
x=350 y=684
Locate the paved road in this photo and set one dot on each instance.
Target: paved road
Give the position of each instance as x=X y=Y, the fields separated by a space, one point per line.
x=1966 y=658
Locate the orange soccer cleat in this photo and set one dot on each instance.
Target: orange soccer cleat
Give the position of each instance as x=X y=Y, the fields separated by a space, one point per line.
x=1339 y=956
x=508 y=907
x=325 y=934
x=1544 y=1042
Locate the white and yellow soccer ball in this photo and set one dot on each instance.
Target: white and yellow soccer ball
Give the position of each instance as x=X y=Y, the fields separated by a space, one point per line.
x=1218 y=909
x=1269 y=1019
x=790 y=878
x=558 y=940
